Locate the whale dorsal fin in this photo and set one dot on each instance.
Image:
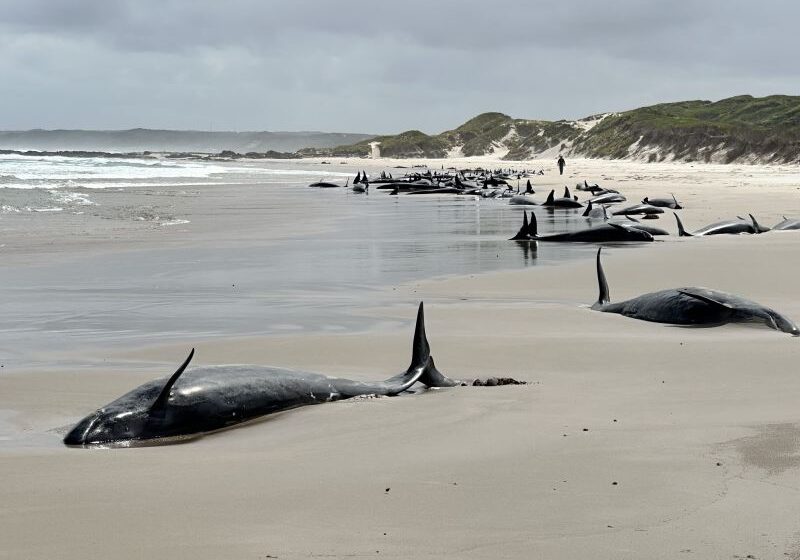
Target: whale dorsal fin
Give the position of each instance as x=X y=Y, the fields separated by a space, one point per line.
x=681 y=231
x=163 y=396
x=755 y=224
x=550 y=197
x=704 y=297
x=588 y=209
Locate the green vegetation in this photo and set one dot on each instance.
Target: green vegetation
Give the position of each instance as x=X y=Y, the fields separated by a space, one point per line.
x=740 y=128
x=766 y=128
x=412 y=143
x=477 y=136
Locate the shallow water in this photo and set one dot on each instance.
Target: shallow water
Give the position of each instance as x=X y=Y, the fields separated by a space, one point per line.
x=307 y=282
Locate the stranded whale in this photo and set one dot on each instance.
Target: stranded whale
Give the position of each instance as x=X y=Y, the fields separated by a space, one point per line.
x=718 y=228
x=690 y=306
x=205 y=399
x=607 y=232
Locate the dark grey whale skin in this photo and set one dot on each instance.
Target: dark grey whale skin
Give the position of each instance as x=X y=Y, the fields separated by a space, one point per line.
x=207 y=399
x=787 y=224
x=663 y=202
x=690 y=306
x=719 y=228
x=553 y=202
x=604 y=233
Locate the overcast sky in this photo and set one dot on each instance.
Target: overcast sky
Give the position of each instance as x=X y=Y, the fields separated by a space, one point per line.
x=378 y=66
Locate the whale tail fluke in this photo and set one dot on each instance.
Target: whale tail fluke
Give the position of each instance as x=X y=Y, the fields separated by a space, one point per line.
x=603 y=297
x=681 y=231
x=533 y=226
x=420 y=358
x=522 y=234
x=432 y=377
x=421 y=350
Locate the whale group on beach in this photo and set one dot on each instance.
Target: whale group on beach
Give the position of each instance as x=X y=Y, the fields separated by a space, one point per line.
x=201 y=400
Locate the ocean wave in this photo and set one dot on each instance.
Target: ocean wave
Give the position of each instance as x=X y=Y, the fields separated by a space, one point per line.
x=54 y=172
x=134 y=163
x=71 y=198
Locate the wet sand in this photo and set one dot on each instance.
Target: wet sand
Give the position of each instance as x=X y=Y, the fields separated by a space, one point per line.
x=631 y=440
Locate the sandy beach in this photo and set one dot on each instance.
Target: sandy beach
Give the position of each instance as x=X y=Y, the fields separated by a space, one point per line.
x=631 y=439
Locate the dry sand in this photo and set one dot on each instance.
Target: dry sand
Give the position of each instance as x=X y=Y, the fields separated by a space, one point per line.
x=632 y=440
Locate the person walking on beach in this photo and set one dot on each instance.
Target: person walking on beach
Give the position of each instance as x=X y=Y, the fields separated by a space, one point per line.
x=561 y=164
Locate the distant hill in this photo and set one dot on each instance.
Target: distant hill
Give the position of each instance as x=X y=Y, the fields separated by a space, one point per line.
x=143 y=139
x=738 y=129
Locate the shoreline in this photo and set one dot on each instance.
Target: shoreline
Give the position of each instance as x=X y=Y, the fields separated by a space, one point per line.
x=657 y=440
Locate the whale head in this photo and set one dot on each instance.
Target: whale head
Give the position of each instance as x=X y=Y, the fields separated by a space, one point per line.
x=142 y=414
x=112 y=424
x=782 y=323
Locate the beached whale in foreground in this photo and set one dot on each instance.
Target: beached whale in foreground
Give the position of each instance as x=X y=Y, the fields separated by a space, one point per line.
x=690 y=306
x=205 y=399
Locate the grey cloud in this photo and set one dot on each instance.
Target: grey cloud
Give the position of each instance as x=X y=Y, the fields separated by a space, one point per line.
x=377 y=66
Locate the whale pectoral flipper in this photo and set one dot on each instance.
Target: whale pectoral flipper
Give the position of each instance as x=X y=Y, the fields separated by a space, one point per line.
x=626 y=227
x=618 y=226
x=705 y=298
